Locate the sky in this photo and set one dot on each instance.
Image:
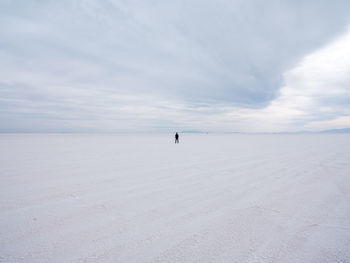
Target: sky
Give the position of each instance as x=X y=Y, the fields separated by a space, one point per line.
x=164 y=66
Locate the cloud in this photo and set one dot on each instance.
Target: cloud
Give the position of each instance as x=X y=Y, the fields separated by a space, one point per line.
x=315 y=95
x=162 y=65
x=336 y=123
x=317 y=90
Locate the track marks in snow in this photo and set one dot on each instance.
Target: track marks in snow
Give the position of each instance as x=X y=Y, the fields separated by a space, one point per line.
x=139 y=198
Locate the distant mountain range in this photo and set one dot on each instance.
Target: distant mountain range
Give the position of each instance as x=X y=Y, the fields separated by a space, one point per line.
x=192 y=131
x=346 y=130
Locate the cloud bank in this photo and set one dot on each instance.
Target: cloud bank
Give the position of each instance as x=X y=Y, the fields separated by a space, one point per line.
x=126 y=66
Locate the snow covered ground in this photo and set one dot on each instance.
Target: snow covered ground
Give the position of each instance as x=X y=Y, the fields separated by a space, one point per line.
x=141 y=198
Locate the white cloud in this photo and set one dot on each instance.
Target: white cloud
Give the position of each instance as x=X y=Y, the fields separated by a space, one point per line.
x=316 y=94
x=337 y=123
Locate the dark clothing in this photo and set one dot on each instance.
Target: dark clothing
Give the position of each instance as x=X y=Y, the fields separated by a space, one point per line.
x=176 y=138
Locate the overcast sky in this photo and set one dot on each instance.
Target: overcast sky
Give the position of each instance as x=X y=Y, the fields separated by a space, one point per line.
x=164 y=66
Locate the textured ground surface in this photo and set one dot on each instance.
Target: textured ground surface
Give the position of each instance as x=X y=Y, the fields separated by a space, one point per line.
x=141 y=198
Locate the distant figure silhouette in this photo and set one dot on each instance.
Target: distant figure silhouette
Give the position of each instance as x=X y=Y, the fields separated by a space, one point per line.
x=176 y=138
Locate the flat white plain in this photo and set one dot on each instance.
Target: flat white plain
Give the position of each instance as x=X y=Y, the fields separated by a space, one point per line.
x=141 y=198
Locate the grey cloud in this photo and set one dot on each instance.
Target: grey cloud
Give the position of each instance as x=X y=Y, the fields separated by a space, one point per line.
x=189 y=52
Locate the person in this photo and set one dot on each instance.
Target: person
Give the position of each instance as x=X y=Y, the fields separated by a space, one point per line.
x=176 y=138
